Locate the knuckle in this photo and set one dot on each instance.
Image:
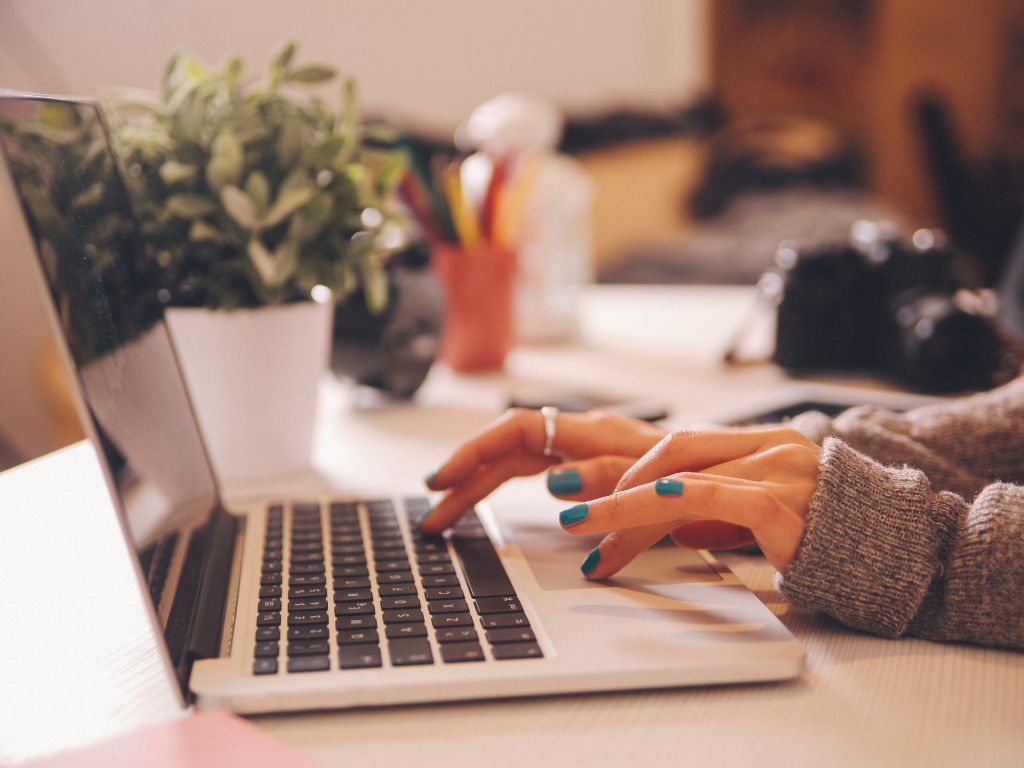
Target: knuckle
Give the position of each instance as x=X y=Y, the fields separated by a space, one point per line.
x=610 y=471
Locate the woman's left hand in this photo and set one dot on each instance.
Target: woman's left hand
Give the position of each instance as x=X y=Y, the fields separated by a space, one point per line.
x=711 y=489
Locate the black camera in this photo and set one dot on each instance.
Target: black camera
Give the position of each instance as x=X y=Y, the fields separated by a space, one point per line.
x=875 y=303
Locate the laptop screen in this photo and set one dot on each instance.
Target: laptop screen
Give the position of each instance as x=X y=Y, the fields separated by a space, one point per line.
x=109 y=303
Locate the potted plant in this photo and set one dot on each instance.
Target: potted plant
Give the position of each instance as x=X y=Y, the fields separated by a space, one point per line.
x=262 y=205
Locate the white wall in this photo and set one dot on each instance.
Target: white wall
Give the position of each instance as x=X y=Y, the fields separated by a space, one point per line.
x=420 y=63
x=425 y=61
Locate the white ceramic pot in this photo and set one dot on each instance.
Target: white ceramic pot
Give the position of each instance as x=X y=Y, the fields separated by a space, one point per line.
x=253 y=375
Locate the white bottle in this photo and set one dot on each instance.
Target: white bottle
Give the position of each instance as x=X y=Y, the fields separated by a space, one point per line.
x=555 y=253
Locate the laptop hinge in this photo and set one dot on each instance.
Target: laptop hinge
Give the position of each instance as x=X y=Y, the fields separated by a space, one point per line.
x=203 y=639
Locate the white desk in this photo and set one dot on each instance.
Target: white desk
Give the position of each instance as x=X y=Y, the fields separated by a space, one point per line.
x=862 y=701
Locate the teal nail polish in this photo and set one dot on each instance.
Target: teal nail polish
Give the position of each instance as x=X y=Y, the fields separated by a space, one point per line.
x=432 y=476
x=573 y=515
x=591 y=561
x=422 y=518
x=667 y=486
x=562 y=482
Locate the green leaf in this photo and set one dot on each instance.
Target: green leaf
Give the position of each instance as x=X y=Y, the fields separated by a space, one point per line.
x=262 y=260
x=190 y=206
x=375 y=287
x=173 y=172
x=226 y=162
x=289 y=201
x=290 y=142
x=258 y=189
x=312 y=73
x=283 y=58
x=201 y=232
x=238 y=206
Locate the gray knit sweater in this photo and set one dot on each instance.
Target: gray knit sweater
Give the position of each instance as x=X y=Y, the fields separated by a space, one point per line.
x=925 y=537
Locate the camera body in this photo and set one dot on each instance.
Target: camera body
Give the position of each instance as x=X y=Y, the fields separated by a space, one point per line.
x=875 y=303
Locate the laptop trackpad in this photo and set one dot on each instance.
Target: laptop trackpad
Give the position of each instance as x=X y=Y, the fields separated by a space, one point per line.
x=555 y=556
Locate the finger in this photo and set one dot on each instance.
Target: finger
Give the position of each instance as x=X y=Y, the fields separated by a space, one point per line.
x=579 y=435
x=463 y=496
x=587 y=479
x=618 y=549
x=711 y=534
x=696 y=451
x=673 y=501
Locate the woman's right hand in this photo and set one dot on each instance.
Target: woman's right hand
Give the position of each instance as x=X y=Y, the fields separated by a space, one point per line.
x=591 y=451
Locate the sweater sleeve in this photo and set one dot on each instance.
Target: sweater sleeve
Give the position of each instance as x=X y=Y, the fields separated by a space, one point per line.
x=886 y=553
x=962 y=445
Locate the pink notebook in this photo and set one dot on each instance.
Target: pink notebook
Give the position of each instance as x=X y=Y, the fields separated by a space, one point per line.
x=198 y=741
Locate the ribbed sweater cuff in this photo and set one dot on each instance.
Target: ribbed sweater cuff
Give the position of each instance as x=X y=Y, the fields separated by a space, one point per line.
x=872 y=545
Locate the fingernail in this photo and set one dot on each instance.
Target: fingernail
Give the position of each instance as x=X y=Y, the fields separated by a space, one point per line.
x=422 y=518
x=562 y=482
x=591 y=561
x=668 y=486
x=432 y=476
x=573 y=515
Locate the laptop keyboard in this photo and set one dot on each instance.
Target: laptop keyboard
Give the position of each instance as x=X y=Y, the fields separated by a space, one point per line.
x=344 y=588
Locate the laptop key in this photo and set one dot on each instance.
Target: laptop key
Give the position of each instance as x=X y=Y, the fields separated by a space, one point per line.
x=405 y=630
x=396 y=590
x=450 y=580
x=310 y=604
x=268 y=619
x=510 y=635
x=357 y=636
x=358 y=608
x=270 y=578
x=395 y=603
x=516 y=651
x=395 y=577
x=485 y=605
x=270 y=591
x=445 y=620
x=436 y=569
x=300 y=593
x=267 y=650
x=352 y=582
x=352 y=595
x=392 y=566
x=355 y=622
x=306 y=568
x=264 y=667
x=307 y=632
x=408 y=651
x=454 y=653
x=264 y=634
x=456 y=635
x=309 y=664
x=442 y=593
x=499 y=620
x=349 y=570
x=308 y=648
x=359 y=656
x=269 y=604
x=403 y=616
x=447 y=606
x=306 y=580
x=312 y=617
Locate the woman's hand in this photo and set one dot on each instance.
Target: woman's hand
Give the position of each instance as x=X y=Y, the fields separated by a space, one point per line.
x=599 y=447
x=715 y=489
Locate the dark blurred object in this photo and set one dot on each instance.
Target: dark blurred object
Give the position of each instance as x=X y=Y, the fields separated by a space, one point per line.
x=392 y=351
x=771 y=154
x=981 y=206
x=586 y=134
x=1011 y=289
x=877 y=304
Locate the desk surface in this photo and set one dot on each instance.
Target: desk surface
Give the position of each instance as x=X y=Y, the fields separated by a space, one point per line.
x=861 y=701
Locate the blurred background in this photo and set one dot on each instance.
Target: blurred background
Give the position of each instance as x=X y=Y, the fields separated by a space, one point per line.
x=710 y=129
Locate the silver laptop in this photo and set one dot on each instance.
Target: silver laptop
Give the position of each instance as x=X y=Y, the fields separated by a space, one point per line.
x=328 y=601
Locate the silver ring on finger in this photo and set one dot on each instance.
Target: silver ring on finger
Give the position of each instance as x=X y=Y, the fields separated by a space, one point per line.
x=550 y=415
